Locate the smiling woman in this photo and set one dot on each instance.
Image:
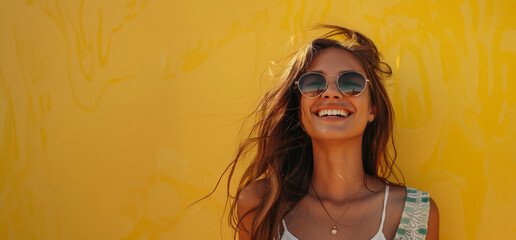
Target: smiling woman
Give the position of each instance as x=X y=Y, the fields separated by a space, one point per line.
x=322 y=159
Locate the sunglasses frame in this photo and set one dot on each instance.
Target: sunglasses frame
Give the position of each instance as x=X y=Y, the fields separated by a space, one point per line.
x=326 y=85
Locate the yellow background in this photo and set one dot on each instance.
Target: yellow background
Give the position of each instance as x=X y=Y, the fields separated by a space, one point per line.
x=117 y=114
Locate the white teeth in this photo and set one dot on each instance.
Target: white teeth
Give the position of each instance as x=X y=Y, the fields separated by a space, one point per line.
x=332 y=112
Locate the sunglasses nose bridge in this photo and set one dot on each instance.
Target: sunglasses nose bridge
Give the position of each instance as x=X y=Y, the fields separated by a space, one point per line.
x=332 y=88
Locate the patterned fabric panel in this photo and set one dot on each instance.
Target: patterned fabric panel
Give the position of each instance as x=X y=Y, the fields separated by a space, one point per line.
x=414 y=220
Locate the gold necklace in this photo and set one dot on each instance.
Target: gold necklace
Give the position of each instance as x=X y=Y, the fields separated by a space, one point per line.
x=334 y=227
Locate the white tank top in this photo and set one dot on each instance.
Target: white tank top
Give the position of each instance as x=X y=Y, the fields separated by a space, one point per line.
x=378 y=236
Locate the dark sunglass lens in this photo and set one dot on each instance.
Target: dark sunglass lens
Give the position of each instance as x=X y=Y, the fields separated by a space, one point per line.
x=312 y=84
x=351 y=83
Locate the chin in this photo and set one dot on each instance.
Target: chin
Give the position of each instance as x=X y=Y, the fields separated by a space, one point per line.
x=334 y=136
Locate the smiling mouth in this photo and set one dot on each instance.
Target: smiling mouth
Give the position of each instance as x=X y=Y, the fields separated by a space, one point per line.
x=333 y=113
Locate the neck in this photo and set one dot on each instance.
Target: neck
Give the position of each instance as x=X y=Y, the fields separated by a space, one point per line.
x=338 y=171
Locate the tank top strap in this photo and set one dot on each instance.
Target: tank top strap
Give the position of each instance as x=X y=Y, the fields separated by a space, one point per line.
x=384 y=207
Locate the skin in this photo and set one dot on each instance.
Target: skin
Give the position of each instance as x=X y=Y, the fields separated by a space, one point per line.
x=338 y=172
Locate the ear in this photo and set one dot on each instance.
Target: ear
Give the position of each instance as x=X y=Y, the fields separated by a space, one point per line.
x=372 y=113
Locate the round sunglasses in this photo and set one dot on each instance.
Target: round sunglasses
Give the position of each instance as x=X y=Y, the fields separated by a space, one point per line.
x=350 y=83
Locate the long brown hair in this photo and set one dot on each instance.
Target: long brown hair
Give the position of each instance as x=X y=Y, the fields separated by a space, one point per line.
x=283 y=151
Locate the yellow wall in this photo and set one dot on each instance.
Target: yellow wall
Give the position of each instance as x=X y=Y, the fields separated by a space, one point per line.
x=116 y=114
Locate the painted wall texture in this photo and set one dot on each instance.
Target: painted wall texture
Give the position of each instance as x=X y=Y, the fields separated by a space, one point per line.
x=117 y=114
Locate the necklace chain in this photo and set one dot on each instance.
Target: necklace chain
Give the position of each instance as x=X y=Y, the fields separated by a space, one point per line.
x=334 y=227
x=327 y=213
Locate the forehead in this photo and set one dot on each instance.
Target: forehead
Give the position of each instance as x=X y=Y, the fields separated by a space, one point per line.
x=332 y=61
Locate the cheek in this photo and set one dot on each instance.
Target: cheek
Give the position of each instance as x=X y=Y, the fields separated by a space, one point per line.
x=305 y=121
x=304 y=111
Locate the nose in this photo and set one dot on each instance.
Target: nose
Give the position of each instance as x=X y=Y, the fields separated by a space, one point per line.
x=332 y=91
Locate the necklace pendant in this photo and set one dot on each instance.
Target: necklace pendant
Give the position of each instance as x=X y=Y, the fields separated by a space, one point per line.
x=334 y=230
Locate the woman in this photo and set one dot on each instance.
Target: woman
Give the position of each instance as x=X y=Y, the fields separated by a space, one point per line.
x=321 y=158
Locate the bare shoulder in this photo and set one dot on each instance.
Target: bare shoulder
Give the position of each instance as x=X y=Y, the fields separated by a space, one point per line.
x=434 y=210
x=397 y=194
x=247 y=203
x=394 y=210
x=433 y=221
x=251 y=196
